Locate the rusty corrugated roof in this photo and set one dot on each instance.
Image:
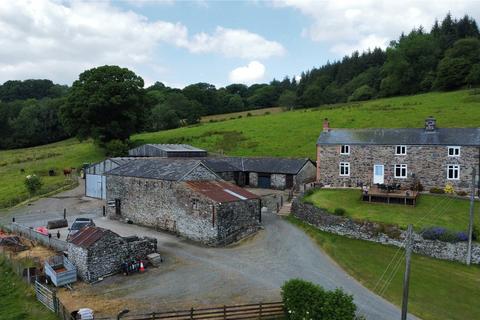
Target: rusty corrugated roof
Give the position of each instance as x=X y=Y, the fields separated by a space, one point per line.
x=87 y=236
x=221 y=191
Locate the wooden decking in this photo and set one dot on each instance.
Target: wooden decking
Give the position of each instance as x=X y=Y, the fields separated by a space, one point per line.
x=406 y=197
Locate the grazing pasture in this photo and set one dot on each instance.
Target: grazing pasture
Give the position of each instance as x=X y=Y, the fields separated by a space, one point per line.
x=286 y=134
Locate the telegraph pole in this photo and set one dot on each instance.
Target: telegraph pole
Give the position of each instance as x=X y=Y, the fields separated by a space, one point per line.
x=470 y=225
x=406 y=276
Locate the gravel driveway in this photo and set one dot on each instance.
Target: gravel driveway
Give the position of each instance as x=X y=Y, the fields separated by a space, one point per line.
x=251 y=271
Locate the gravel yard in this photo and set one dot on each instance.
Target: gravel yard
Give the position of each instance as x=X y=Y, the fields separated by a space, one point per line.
x=192 y=275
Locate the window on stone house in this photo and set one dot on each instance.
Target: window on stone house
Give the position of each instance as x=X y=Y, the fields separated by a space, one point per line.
x=453 y=172
x=454 y=151
x=400 y=150
x=400 y=171
x=345 y=149
x=344 y=169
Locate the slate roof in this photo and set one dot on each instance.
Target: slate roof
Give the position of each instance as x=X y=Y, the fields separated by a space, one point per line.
x=405 y=136
x=87 y=236
x=175 y=147
x=160 y=168
x=221 y=191
x=265 y=165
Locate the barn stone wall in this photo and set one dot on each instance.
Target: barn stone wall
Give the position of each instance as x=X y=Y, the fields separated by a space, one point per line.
x=306 y=174
x=163 y=205
x=238 y=219
x=174 y=207
x=371 y=231
x=428 y=163
x=253 y=179
x=201 y=173
x=106 y=255
x=278 y=181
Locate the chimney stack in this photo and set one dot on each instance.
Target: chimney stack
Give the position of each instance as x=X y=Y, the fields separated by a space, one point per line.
x=430 y=124
x=326 y=125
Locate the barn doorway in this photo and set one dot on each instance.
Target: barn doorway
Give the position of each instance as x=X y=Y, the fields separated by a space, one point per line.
x=264 y=180
x=118 y=207
x=289 y=181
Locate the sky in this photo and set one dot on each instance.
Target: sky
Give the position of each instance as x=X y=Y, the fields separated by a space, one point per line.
x=184 y=42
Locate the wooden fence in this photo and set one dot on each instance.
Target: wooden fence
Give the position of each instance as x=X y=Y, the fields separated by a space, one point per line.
x=270 y=310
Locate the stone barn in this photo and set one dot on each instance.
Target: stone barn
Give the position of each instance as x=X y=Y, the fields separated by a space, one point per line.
x=184 y=197
x=268 y=173
x=98 y=252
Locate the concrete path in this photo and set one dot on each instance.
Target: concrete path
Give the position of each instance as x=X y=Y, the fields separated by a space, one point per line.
x=251 y=271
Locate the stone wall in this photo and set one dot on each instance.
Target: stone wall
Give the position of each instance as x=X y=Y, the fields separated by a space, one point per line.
x=253 y=179
x=428 y=163
x=375 y=232
x=306 y=174
x=174 y=207
x=106 y=255
x=201 y=172
x=235 y=220
x=278 y=181
x=163 y=205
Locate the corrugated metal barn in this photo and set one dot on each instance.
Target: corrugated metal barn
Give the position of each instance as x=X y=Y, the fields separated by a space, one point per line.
x=167 y=151
x=95 y=181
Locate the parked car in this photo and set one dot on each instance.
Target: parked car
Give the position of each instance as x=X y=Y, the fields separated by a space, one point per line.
x=78 y=224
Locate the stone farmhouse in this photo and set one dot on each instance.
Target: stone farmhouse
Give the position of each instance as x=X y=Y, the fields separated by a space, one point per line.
x=183 y=196
x=431 y=155
x=98 y=252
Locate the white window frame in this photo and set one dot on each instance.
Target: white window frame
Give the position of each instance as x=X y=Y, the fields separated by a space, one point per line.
x=453 y=148
x=344 y=165
x=401 y=166
x=343 y=147
x=454 y=167
x=404 y=147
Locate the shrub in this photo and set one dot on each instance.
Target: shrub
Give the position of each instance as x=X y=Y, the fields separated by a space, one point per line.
x=266 y=113
x=305 y=300
x=475 y=233
x=339 y=212
x=461 y=193
x=249 y=114
x=449 y=236
x=443 y=234
x=117 y=148
x=33 y=183
x=449 y=188
x=462 y=236
x=432 y=233
x=437 y=190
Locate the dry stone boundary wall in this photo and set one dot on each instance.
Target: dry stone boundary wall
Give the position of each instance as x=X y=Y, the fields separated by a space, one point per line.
x=366 y=230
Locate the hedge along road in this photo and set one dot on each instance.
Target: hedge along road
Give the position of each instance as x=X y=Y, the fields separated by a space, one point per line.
x=251 y=271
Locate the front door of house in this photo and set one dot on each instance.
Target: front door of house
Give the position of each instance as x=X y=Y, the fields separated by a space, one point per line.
x=378 y=173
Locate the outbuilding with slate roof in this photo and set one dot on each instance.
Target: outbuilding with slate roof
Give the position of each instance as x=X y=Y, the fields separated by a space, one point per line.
x=431 y=156
x=97 y=252
x=183 y=196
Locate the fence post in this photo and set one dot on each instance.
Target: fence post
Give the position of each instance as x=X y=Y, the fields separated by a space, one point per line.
x=224 y=312
x=260 y=310
x=191 y=313
x=153 y=316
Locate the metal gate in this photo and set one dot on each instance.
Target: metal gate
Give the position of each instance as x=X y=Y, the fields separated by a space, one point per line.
x=46 y=296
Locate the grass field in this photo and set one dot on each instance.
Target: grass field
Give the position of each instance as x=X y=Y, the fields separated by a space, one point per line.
x=288 y=134
x=430 y=210
x=438 y=289
x=241 y=114
x=17 y=299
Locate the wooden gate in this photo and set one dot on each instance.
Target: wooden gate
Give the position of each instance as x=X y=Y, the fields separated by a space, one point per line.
x=46 y=296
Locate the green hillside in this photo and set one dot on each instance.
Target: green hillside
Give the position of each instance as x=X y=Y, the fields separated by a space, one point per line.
x=288 y=134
